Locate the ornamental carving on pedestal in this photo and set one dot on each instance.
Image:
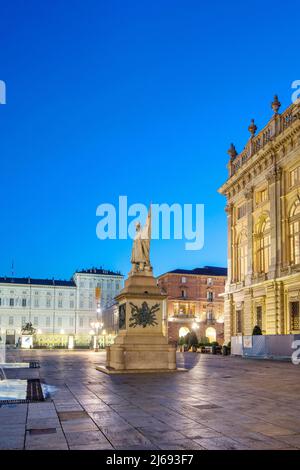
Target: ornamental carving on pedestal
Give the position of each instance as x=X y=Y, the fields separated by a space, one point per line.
x=143 y=316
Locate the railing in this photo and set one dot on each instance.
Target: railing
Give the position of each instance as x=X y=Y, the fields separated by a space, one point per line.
x=278 y=124
x=184 y=315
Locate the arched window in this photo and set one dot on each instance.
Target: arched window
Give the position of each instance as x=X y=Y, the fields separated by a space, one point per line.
x=211 y=334
x=263 y=245
x=294 y=233
x=183 y=331
x=242 y=255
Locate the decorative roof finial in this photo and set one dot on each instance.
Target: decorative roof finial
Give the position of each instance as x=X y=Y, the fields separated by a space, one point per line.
x=252 y=128
x=275 y=104
x=232 y=152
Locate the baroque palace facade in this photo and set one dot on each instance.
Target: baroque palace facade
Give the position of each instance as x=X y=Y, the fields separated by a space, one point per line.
x=194 y=302
x=263 y=214
x=57 y=309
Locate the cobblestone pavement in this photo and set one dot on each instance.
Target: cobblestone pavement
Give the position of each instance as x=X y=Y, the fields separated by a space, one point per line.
x=220 y=403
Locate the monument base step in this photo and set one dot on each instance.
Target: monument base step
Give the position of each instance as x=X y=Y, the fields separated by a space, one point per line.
x=111 y=371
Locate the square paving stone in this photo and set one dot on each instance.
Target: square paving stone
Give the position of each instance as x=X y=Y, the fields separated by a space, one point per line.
x=85 y=438
x=72 y=415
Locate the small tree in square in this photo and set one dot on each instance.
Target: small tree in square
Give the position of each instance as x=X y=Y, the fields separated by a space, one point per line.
x=192 y=340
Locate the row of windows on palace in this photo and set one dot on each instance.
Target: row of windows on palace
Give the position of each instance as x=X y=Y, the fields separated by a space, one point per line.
x=104 y=283
x=209 y=281
x=48 y=322
x=262 y=244
x=49 y=303
x=262 y=195
x=209 y=295
x=294 y=310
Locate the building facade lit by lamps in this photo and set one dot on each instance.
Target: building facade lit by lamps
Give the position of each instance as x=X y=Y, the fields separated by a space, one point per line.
x=263 y=215
x=57 y=309
x=194 y=302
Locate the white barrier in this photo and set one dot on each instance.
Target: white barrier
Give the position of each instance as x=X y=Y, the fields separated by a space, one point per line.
x=264 y=346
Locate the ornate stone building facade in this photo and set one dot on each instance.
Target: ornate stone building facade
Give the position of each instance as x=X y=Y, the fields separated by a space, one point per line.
x=263 y=213
x=194 y=302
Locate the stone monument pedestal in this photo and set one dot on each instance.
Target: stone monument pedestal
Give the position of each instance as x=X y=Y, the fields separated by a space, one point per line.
x=142 y=344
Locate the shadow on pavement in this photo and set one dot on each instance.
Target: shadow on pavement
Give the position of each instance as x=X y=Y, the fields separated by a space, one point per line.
x=188 y=360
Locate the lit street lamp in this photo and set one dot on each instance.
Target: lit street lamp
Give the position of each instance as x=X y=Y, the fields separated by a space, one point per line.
x=96 y=325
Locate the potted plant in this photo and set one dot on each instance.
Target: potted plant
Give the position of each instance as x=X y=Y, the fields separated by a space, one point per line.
x=214 y=346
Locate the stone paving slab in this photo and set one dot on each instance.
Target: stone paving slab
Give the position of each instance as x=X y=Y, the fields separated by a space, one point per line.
x=220 y=403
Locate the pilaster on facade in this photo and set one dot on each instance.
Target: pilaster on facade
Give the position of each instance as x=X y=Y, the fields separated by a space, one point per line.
x=271 y=309
x=249 y=194
x=274 y=186
x=247 y=310
x=228 y=317
x=229 y=212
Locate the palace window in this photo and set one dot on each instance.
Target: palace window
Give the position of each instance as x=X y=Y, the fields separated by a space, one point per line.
x=261 y=196
x=242 y=211
x=11 y=321
x=23 y=302
x=242 y=256
x=209 y=281
x=294 y=233
x=210 y=296
x=239 y=321
x=210 y=316
x=259 y=316
x=295 y=176
x=294 y=312
x=11 y=302
x=183 y=280
x=263 y=246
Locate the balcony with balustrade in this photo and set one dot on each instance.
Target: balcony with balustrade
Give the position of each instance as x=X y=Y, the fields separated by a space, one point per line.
x=276 y=126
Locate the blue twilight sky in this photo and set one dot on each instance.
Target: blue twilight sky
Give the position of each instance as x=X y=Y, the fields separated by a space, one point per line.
x=128 y=97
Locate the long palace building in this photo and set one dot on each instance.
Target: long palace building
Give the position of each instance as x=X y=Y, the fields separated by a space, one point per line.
x=56 y=308
x=263 y=212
